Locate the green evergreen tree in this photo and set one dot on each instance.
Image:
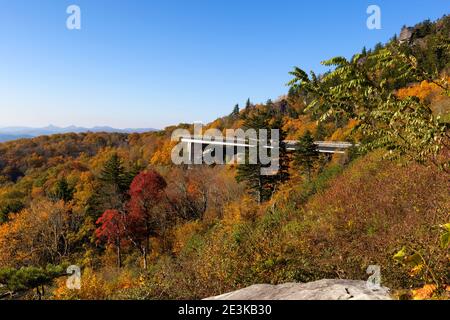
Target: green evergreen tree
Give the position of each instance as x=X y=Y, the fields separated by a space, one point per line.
x=259 y=185
x=115 y=183
x=114 y=174
x=248 y=107
x=248 y=104
x=235 y=113
x=306 y=154
x=364 y=51
x=28 y=278
x=63 y=191
x=320 y=133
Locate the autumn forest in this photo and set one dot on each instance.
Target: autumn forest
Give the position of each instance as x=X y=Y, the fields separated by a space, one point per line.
x=140 y=227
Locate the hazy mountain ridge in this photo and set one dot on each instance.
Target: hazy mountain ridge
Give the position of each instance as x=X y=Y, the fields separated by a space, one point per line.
x=14 y=133
x=10 y=137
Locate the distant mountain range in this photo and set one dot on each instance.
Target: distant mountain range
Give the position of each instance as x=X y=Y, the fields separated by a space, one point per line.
x=14 y=133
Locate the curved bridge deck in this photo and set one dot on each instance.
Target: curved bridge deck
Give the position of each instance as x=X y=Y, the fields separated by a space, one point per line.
x=291 y=145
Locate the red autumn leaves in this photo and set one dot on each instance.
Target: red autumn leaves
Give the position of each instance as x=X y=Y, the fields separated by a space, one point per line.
x=142 y=218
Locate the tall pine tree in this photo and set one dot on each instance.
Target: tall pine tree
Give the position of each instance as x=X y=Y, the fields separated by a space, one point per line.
x=115 y=183
x=235 y=113
x=306 y=154
x=259 y=185
x=114 y=174
x=62 y=191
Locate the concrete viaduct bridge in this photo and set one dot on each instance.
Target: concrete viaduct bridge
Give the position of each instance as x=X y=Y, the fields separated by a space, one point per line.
x=207 y=143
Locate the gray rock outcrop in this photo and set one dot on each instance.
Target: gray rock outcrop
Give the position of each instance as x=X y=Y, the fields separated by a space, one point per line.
x=406 y=35
x=318 y=290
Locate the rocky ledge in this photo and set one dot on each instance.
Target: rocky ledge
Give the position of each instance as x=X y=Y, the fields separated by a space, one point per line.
x=318 y=290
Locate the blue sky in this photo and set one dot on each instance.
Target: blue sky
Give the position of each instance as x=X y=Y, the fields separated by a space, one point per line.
x=139 y=63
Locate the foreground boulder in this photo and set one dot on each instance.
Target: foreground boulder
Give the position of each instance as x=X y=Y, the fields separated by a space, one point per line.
x=318 y=290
